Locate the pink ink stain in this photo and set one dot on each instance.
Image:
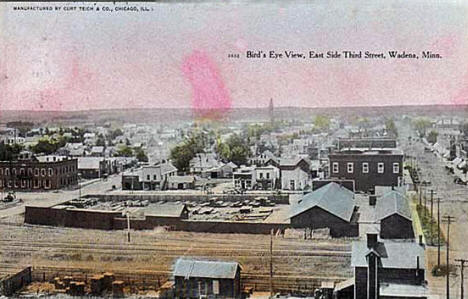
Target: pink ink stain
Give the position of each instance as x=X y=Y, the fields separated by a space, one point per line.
x=210 y=97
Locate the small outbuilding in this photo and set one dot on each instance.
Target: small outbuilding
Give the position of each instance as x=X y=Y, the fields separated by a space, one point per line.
x=209 y=279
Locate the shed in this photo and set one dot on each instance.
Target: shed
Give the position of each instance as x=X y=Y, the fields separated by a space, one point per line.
x=196 y=278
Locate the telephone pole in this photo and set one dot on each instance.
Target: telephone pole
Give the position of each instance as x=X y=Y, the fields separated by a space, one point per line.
x=432 y=215
x=462 y=266
x=448 y=219
x=438 y=233
x=271 y=263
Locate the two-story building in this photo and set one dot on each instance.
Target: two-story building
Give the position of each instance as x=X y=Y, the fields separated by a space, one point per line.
x=368 y=167
x=31 y=173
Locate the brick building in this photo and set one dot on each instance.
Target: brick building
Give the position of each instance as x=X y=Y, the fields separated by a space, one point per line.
x=368 y=167
x=28 y=173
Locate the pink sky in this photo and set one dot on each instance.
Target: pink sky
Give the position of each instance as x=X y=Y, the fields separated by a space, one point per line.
x=176 y=56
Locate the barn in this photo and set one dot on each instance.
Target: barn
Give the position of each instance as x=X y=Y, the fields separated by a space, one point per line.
x=331 y=206
x=393 y=212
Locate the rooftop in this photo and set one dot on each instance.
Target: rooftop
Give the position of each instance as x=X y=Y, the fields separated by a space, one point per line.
x=332 y=197
x=188 y=268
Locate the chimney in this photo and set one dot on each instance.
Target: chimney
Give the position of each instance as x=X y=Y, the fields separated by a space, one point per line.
x=372 y=200
x=371 y=240
x=393 y=187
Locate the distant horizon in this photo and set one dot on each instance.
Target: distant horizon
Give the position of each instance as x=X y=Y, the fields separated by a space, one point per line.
x=239 y=108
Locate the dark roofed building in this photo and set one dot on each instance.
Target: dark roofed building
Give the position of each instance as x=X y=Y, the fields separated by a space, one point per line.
x=388 y=269
x=331 y=206
x=201 y=278
x=393 y=212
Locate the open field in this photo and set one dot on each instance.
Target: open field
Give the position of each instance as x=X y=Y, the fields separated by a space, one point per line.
x=297 y=263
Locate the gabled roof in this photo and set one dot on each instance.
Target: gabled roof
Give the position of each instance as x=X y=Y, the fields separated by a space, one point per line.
x=393 y=254
x=332 y=198
x=188 y=268
x=391 y=203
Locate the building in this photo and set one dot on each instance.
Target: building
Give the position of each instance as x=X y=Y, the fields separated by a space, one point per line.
x=331 y=206
x=181 y=182
x=28 y=173
x=202 y=162
x=222 y=171
x=368 y=167
x=256 y=178
x=344 y=143
x=92 y=167
x=153 y=177
x=208 y=279
x=393 y=212
x=387 y=269
x=295 y=174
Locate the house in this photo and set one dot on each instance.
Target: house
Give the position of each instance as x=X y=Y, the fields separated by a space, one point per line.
x=181 y=182
x=393 y=212
x=152 y=177
x=224 y=170
x=264 y=157
x=202 y=162
x=256 y=178
x=368 y=167
x=331 y=206
x=209 y=279
x=31 y=173
x=387 y=269
x=97 y=151
x=295 y=173
x=92 y=167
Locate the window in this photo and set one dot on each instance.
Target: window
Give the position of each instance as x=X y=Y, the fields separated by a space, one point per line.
x=365 y=167
x=43 y=171
x=36 y=171
x=261 y=175
x=380 y=167
x=30 y=171
x=51 y=171
x=335 y=167
x=22 y=171
x=350 y=167
x=154 y=177
x=292 y=185
x=148 y=177
x=7 y=171
x=268 y=175
x=13 y=171
x=396 y=168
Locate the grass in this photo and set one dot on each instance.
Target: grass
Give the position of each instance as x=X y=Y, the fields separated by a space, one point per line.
x=426 y=220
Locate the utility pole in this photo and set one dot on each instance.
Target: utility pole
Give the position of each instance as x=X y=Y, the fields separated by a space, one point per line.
x=425 y=202
x=448 y=219
x=128 y=226
x=271 y=263
x=438 y=233
x=462 y=267
x=432 y=215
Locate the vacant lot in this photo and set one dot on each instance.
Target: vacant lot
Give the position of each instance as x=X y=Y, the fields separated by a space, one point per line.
x=297 y=263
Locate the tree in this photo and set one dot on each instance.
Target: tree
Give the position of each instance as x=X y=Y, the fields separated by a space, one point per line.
x=391 y=128
x=125 y=151
x=182 y=153
x=322 y=122
x=48 y=146
x=421 y=124
x=114 y=134
x=8 y=152
x=141 y=156
x=432 y=137
x=101 y=141
x=235 y=150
